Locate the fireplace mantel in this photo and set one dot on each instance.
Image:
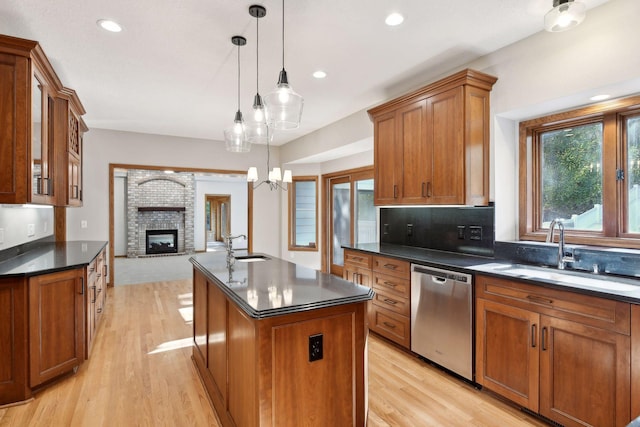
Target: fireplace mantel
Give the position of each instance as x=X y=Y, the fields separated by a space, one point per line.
x=161 y=208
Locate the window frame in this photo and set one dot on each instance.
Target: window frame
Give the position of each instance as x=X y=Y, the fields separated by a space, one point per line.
x=612 y=114
x=292 y=216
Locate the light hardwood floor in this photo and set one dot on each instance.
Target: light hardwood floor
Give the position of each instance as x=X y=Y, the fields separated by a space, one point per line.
x=140 y=374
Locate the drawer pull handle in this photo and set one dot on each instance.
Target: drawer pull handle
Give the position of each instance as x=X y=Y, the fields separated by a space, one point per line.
x=395 y=191
x=544 y=339
x=534 y=331
x=391 y=266
x=389 y=325
x=392 y=285
x=541 y=300
x=357 y=258
x=390 y=301
x=429 y=189
x=424 y=189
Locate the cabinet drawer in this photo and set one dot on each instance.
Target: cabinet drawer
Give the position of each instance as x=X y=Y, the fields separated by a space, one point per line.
x=357 y=258
x=392 y=284
x=590 y=310
x=391 y=302
x=390 y=325
x=391 y=266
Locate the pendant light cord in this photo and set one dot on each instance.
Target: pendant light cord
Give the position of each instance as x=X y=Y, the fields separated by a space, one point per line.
x=257 y=50
x=238 y=77
x=283 y=34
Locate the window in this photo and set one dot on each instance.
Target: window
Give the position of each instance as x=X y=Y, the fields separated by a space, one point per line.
x=303 y=202
x=583 y=167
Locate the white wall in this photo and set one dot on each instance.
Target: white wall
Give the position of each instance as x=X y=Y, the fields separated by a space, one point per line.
x=15 y=221
x=120 y=214
x=102 y=147
x=239 y=199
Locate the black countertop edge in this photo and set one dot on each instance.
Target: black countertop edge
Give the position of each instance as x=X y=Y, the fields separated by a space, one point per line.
x=287 y=309
x=51 y=257
x=466 y=263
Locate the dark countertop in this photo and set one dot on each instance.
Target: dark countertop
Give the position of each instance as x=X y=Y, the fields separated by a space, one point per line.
x=482 y=265
x=276 y=287
x=50 y=257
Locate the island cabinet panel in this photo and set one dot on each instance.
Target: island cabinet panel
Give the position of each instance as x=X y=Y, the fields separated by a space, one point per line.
x=564 y=355
x=242 y=402
x=635 y=361
x=200 y=304
x=431 y=146
x=333 y=372
x=56 y=324
x=13 y=341
x=217 y=340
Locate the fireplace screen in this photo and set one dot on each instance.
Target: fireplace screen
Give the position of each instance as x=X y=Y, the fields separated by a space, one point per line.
x=162 y=241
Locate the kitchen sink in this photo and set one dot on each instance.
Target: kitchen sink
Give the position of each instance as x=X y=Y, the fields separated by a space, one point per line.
x=251 y=258
x=561 y=276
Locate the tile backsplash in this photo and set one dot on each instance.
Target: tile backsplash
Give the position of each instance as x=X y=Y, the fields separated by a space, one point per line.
x=462 y=229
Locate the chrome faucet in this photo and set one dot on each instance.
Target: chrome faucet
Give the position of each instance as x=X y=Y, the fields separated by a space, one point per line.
x=562 y=258
x=229 y=244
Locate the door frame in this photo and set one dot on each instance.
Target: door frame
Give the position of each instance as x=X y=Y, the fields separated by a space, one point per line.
x=216 y=200
x=114 y=166
x=352 y=175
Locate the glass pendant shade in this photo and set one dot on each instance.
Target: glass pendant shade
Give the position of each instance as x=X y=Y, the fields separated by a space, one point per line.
x=235 y=137
x=565 y=15
x=283 y=105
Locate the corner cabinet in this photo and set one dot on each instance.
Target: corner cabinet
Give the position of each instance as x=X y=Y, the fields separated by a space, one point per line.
x=35 y=136
x=563 y=355
x=432 y=146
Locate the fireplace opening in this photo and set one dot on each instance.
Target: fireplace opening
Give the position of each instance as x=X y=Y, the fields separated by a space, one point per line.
x=162 y=241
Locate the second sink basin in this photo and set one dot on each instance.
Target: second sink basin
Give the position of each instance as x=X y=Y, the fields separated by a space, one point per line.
x=562 y=277
x=251 y=258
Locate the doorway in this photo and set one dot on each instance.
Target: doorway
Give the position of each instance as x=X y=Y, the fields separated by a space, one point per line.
x=217 y=222
x=350 y=216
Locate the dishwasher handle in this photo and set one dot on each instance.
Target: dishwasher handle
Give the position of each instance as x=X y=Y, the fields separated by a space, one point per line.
x=442 y=274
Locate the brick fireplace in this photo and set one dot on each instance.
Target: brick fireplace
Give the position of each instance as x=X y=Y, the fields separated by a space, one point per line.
x=160 y=215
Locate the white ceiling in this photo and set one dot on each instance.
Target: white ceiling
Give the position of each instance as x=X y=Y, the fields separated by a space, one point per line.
x=172 y=71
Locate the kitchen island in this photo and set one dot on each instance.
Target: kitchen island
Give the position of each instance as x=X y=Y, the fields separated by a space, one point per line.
x=276 y=343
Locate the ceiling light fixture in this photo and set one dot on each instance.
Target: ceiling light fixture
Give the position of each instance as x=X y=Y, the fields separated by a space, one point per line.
x=274 y=176
x=283 y=105
x=565 y=15
x=319 y=74
x=394 y=19
x=235 y=137
x=600 y=97
x=257 y=127
x=109 y=25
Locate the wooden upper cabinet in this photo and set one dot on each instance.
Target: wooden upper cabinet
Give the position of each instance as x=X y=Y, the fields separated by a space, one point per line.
x=431 y=146
x=32 y=166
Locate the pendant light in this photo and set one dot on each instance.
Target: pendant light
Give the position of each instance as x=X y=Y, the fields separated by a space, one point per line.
x=256 y=128
x=275 y=175
x=235 y=137
x=565 y=15
x=283 y=105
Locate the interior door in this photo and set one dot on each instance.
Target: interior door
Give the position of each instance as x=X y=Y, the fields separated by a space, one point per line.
x=217 y=216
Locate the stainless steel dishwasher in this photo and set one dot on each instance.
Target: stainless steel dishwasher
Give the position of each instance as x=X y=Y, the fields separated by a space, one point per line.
x=441 y=318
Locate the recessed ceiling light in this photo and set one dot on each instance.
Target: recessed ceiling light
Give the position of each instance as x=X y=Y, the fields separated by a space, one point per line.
x=394 y=19
x=109 y=25
x=600 y=97
x=319 y=74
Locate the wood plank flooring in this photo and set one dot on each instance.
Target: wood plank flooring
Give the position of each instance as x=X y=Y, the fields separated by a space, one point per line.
x=140 y=374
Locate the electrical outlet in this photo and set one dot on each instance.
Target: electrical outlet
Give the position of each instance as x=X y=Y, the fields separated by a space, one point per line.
x=385 y=228
x=475 y=232
x=315 y=347
x=46 y=226
x=409 y=230
x=1 y=236
x=83 y=224
x=31 y=230
x=461 y=229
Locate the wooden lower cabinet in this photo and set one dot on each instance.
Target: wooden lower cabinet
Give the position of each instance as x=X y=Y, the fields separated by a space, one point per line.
x=56 y=324
x=14 y=385
x=95 y=277
x=257 y=371
x=563 y=355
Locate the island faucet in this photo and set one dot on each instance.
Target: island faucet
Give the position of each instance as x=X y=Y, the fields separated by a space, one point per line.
x=562 y=258
x=229 y=244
